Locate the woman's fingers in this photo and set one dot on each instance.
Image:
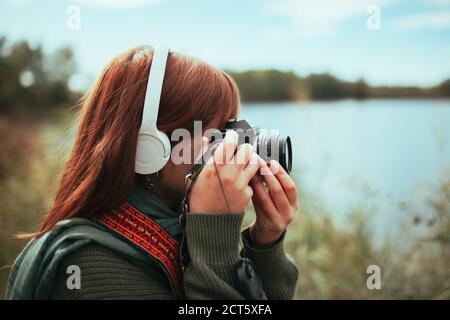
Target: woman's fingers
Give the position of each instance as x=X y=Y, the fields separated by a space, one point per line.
x=201 y=154
x=262 y=199
x=286 y=182
x=252 y=166
x=243 y=154
x=225 y=151
x=276 y=191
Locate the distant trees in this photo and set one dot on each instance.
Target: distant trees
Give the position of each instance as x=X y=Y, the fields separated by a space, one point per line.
x=325 y=86
x=273 y=85
x=30 y=81
x=444 y=88
x=265 y=85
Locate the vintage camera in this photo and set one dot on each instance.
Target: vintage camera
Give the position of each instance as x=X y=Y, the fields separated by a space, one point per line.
x=268 y=147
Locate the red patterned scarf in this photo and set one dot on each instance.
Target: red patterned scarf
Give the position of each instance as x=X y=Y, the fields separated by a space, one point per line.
x=145 y=233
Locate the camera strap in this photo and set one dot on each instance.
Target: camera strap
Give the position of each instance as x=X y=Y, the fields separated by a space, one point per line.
x=189 y=181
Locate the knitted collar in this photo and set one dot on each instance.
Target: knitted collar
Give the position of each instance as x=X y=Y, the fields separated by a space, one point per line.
x=154 y=208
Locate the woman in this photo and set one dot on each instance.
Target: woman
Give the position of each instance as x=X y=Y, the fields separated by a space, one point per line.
x=116 y=234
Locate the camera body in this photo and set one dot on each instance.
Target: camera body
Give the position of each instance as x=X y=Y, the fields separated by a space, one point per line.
x=268 y=147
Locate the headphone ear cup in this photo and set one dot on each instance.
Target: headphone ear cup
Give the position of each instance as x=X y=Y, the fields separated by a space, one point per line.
x=153 y=152
x=165 y=141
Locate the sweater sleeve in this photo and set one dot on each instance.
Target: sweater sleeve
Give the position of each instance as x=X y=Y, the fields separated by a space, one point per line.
x=277 y=272
x=105 y=274
x=213 y=244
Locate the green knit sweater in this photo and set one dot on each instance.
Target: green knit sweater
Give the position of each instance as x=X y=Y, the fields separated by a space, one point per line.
x=215 y=246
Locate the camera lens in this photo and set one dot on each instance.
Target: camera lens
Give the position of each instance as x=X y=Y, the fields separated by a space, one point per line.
x=275 y=148
x=286 y=154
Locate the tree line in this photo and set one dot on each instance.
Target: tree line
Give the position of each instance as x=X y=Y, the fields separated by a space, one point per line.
x=32 y=82
x=275 y=85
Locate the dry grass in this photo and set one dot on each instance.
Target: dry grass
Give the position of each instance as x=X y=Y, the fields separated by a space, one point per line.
x=333 y=260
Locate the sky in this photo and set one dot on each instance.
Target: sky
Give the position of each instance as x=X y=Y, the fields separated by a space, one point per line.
x=386 y=42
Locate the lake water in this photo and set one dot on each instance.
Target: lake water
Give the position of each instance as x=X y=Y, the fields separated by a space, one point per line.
x=384 y=153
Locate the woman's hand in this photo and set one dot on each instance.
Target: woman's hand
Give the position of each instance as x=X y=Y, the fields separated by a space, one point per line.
x=274 y=207
x=235 y=169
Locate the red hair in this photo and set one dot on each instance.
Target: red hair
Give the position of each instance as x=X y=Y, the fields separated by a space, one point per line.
x=99 y=173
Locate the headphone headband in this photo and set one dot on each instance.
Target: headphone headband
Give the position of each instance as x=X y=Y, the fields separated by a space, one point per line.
x=154 y=88
x=153 y=146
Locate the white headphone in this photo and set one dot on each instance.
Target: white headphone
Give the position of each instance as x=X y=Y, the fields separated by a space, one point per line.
x=153 y=146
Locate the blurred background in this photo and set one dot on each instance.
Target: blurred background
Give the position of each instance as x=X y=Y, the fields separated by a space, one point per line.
x=362 y=87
